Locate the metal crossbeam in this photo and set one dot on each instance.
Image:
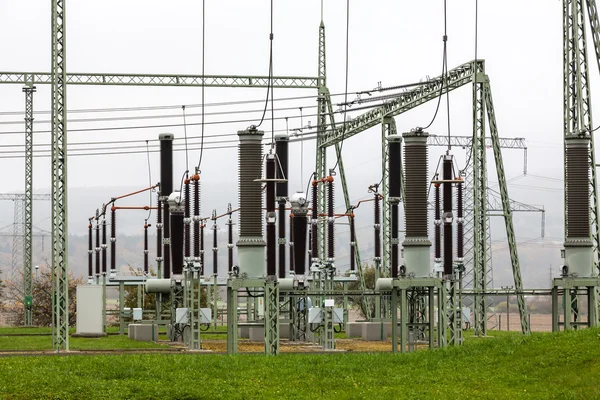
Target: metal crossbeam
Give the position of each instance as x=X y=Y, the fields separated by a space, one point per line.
x=103 y=79
x=467 y=141
x=406 y=101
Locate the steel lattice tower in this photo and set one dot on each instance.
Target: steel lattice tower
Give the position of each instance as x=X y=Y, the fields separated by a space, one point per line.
x=28 y=212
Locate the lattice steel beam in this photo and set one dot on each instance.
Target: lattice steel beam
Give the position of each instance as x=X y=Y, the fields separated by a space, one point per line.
x=28 y=212
x=60 y=259
x=103 y=79
x=405 y=101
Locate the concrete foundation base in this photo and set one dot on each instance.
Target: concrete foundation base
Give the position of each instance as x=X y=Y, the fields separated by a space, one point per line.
x=244 y=332
x=373 y=331
x=143 y=332
x=354 y=329
x=257 y=334
x=284 y=331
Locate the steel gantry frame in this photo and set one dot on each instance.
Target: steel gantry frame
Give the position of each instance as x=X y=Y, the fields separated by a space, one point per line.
x=28 y=227
x=471 y=72
x=59 y=79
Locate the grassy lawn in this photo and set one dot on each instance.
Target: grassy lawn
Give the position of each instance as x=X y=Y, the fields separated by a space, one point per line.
x=564 y=365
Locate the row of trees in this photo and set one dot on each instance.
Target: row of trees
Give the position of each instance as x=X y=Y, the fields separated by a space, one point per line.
x=12 y=298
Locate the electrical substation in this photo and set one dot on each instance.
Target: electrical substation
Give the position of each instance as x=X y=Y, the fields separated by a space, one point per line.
x=284 y=283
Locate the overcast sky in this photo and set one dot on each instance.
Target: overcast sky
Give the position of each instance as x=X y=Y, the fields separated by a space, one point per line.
x=391 y=42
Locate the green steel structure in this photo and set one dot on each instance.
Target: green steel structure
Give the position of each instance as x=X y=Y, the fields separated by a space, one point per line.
x=60 y=253
x=28 y=215
x=471 y=72
x=576 y=91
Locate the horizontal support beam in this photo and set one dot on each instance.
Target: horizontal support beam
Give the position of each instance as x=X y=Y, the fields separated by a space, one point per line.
x=467 y=141
x=41 y=78
x=407 y=100
x=21 y=196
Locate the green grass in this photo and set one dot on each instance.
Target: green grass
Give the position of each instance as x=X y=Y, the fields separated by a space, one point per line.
x=542 y=366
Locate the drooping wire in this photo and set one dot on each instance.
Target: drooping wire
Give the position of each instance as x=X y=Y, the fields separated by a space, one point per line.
x=149 y=180
x=444 y=73
x=185 y=137
x=203 y=84
x=271 y=80
x=270 y=84
x=339 y=151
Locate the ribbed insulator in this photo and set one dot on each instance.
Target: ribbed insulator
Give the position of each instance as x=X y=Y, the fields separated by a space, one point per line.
x=281 y=236
x=395 y=164
x=282 y=150
x=300 y=224
x=113 y=239
x=447 y=190
x=103 y=245
x=352 y=244
x=176 y=247
x=577 y=189
x=377 y=225
x=271 y=234
x=250 y=197
x=291 y=244
x=416 y=170
x=202 y=243
x=159 y=229
x=166 y=241
x=229 y=243
x=97 y=247
x=166 y=163
x=146 y=248
x=437 y=226
x=330 y=221
x=314 y=232
x=196 y=218
x=215 y=247
x=187 y=227
x=90 y=251
x=460 y=227
x=395 y=249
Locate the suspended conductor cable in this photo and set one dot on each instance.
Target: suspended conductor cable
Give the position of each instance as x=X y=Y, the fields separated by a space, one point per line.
x=446 y=73
x=270 y=84
x=203 y=84
x=339 y=152
x=185 y=137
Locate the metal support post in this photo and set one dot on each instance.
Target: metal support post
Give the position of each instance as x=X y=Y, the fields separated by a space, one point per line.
x=394 y=310
x=28 y=214
x=60 y=260
x=232 y=319
x=121 y=307
x=271 y=317
x=431 y=318
x=403 y=319
x=555 y=313
x=442 y=316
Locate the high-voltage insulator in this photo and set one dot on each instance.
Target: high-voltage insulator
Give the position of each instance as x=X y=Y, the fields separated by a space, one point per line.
x=395 y=190
x=299 y=227
x=146 y=226
x=460 y=238
x=578 y=243
x=176 y=216
x=90 y=251
x=196 y=179
x=330 y=220
x=282 y=151
x=291 y=243
x=97 y=243
x=377 y=227
x=215 y=248
x=229 y=238
x=187 y=220
x=159 y=237
x=166 y=188
x=202 y=226
x=113 y=240
x=352 y=243
x=437 y=223
x=447 y=216
x=416 y=245
x=103 y=245
x=270 y=216
x=251 y=255
x=314 y=232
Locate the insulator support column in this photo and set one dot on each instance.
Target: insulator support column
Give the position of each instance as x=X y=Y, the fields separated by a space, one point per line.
x=416 y=245
x=282 y=151
x=187 y=221
x=90 y=251
x=578 y=243
x=215 y=249
x=196 y=179
x=251 y=246
x=395 y=179
x=352 y=243
x=447 y=216
x=314 y=232
x=113 y=240
x=229 y=239
x=166 y=188
x=104 y=245
x=146 y=226
x=330 y=220
x=97 y=249
x=437 y=223
x=460 y=236
x=271 y=216
x=159 y=238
